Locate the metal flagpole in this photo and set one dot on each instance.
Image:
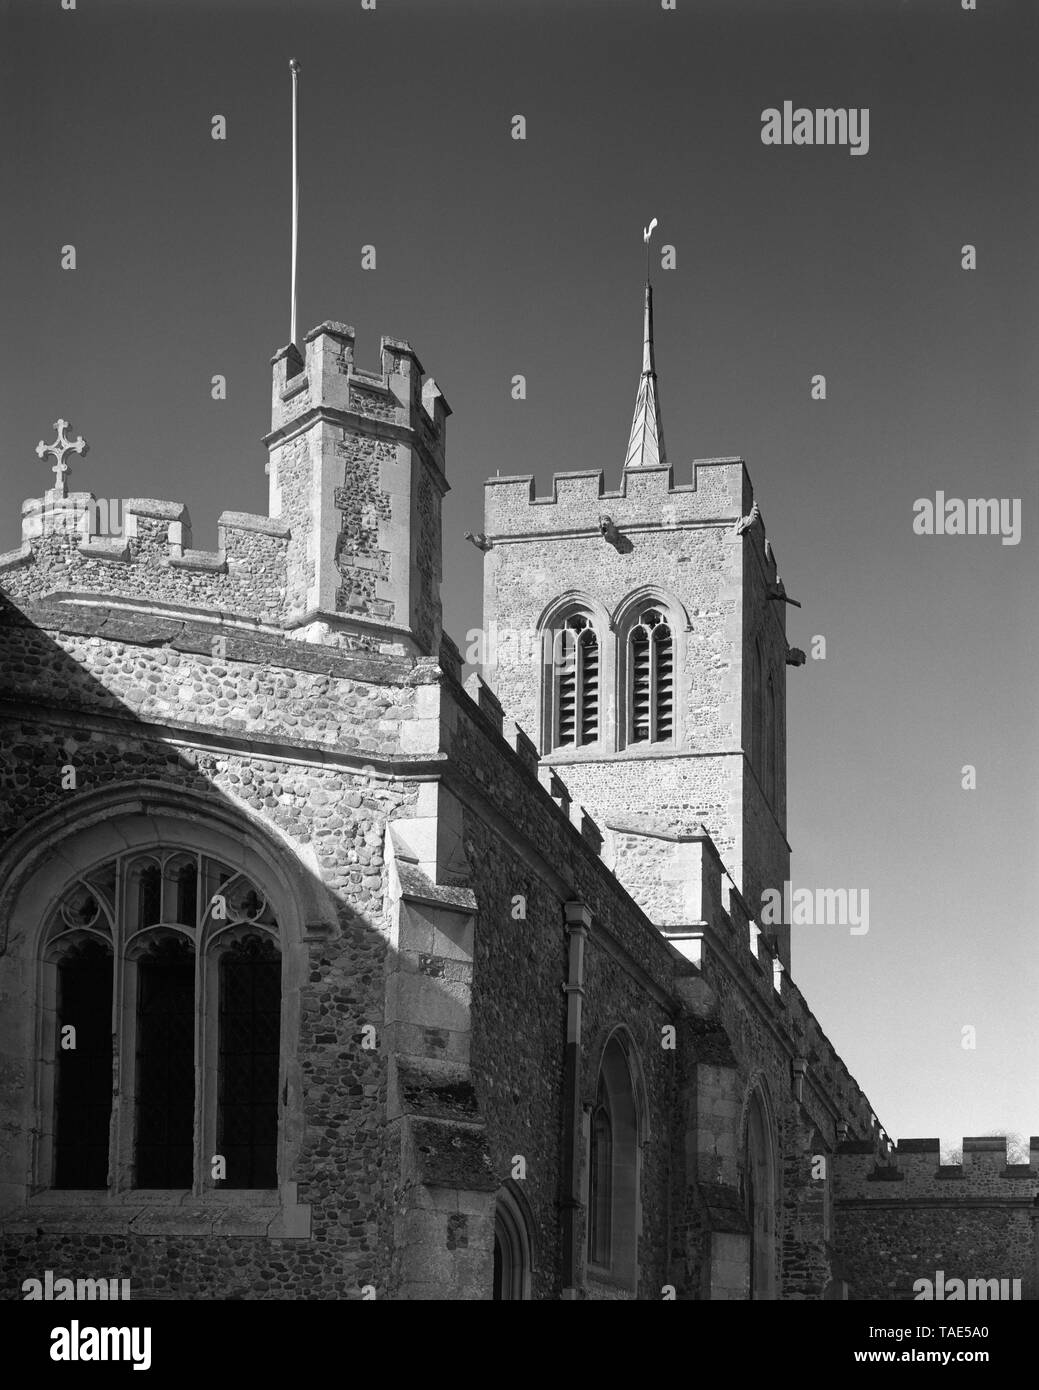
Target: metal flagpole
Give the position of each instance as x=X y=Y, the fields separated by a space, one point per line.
x=294 y=66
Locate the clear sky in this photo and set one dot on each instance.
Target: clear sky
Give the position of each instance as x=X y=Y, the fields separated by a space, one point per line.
x=497 y=257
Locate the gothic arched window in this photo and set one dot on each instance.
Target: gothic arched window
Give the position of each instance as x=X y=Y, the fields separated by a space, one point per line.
x=759 y=1188
x=162 y=968
x=600 y=1180
x=573 y=665
x=650 y=675
x=614 y=1169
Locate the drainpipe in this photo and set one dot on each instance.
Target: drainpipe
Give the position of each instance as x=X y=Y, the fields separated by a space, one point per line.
x=578 y=920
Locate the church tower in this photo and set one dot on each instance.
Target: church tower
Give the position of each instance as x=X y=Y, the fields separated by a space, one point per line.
x=357 y=474
x=638 y=636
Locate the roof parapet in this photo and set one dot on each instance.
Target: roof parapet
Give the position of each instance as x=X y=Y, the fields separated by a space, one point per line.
x=720 y=493
x=328 y=379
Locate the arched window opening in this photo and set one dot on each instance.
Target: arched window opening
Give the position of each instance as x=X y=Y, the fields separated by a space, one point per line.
x=191 y=946
x=588 y=668
x=650 y=675
x=512 y=1253
x=575 y=683
x=614 y=1169
x=759 y=1199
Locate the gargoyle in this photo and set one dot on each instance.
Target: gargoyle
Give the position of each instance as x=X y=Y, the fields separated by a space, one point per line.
x=611 y=535
x=748 y=520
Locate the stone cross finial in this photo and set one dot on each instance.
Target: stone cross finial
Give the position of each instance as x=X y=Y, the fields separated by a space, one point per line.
x=59 y=449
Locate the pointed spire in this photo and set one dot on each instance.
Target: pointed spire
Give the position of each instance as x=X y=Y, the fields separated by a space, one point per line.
x=646 y=443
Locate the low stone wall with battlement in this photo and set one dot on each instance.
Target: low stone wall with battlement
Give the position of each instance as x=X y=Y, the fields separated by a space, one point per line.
x=903 y=1215
x=151 y=558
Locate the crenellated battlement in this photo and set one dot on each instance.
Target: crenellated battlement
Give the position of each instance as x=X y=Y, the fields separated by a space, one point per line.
x=140 y=547
x=913 y=1169
x=911 y=1227
x=397 y=397
x=648 y=500
x=356 y=470
x=720 y=492
x=350 y=553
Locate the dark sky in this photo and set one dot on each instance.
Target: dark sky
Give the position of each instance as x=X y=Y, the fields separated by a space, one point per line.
x=498 y=257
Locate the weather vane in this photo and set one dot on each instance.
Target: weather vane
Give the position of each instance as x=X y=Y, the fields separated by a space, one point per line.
x=59 y=449
x=647 y=232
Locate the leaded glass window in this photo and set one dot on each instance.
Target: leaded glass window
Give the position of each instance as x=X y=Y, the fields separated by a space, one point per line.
x=250 y=1018
x=165 y=1064
x=163 y=971
x=84 y=1064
